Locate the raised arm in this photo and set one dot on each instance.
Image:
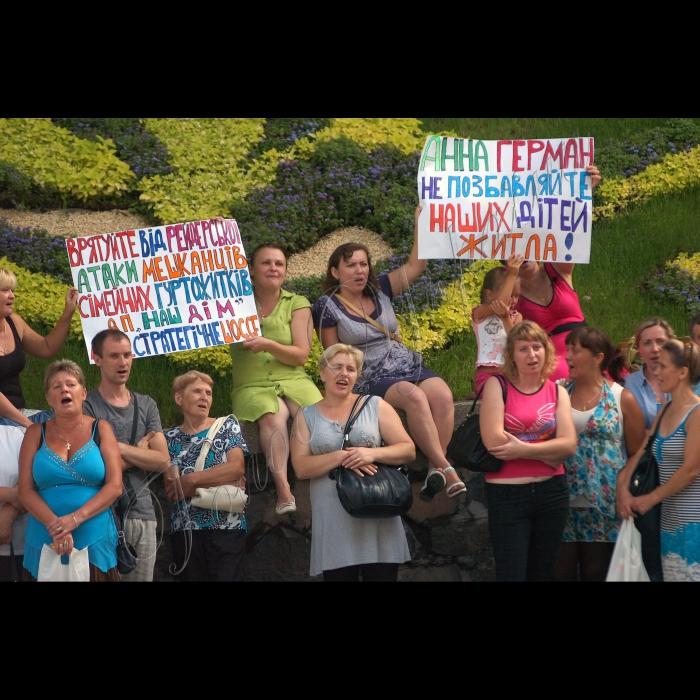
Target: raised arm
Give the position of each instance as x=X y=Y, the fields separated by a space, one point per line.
x=566 y=269
x=408 y=273
x=48 y=347
x=294 y=355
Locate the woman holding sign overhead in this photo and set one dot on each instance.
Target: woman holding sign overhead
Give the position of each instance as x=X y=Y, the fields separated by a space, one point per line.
x=357 y=310
x=269 y=381
x=547 y=297
x=16 y=339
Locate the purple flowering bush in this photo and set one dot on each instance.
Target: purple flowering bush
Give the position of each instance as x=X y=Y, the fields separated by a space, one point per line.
x=282 y=133
x=141 y=150
x=341 y=186
x=35 y=250
x=634 y=155
x=677 y=285
x=18 y=190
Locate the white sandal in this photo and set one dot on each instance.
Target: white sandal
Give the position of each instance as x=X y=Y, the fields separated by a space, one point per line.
x=450 y=493
x=287 y=507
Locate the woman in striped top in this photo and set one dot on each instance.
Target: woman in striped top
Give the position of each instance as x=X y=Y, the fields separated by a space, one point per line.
x=677 y=449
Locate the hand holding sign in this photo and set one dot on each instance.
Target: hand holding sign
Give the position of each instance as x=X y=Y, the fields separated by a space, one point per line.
x=491 y=199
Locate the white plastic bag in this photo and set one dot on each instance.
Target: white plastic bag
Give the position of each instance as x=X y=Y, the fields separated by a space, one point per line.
x=52 y=569
x=626 y=563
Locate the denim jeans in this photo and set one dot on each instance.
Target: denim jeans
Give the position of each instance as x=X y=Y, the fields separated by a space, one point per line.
x=527 y=522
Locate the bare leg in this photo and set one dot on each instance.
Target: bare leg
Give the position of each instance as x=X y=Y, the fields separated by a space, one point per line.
x=422 y=423
x=274 y=441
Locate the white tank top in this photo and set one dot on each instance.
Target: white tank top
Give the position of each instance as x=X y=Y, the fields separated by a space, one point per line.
x=491 y=340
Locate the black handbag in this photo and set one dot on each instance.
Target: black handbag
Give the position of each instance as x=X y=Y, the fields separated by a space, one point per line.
x=466 y=448
x=645 y=477
x=385 y=494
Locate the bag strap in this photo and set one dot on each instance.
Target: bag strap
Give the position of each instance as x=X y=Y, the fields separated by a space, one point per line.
x=135 y=424
x=361 y=312
x=352 y=418
x=504 y=388
x=206 y=445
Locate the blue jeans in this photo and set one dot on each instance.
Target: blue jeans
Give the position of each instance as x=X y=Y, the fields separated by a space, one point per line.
x=38 y=417
x=527 y=522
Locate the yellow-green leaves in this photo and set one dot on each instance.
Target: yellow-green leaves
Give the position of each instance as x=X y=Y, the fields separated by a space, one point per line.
x=54 y=157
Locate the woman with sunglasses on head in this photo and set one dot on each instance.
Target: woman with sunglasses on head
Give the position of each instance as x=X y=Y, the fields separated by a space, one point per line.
x=677 y=450
x=649 y=337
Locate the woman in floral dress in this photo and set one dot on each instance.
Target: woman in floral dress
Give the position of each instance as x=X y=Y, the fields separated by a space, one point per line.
x=610 y=425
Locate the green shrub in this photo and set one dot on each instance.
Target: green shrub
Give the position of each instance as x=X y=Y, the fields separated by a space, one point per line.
x=80 y=170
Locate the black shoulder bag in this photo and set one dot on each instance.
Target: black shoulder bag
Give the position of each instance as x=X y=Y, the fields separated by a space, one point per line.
x=385 y=494
x=466 y=448
x=645 y=477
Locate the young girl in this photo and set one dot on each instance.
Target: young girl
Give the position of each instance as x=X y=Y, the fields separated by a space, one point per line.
x=494 y=317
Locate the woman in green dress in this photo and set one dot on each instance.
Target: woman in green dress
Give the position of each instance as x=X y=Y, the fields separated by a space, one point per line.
x=269 y=381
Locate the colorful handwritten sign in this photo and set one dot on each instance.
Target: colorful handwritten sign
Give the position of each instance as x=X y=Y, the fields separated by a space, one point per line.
x=169 y=288
x=492 y=199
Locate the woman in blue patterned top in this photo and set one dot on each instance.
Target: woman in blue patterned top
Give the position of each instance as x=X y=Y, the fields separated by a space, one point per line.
x=208 y=545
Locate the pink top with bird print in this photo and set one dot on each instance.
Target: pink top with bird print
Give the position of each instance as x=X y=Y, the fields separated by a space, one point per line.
x=530 y=418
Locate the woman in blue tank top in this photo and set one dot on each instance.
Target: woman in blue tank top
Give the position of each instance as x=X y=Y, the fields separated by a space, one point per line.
x=69 y=476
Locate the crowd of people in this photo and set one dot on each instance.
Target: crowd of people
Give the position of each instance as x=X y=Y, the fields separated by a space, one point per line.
x=560 y=409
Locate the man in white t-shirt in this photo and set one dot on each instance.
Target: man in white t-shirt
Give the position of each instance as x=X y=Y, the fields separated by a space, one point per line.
x=13 y=516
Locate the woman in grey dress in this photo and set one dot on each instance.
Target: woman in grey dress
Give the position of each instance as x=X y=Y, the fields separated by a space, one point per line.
x=343 y=547
x=354 y=302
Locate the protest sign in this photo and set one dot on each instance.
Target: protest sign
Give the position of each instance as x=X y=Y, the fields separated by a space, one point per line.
x=485 y=200
x=169 y=288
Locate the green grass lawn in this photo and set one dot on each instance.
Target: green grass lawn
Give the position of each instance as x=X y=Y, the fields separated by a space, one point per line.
x=540 y=128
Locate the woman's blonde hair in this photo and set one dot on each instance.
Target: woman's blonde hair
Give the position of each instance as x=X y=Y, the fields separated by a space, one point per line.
x=330 y=352
x=184 y=380
x=650 y=323
x=8 y=279
x=528 y=330
x=67 y=366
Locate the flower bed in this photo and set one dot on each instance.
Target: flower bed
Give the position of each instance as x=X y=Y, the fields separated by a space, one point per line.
x=678 y=283
x=35 y=250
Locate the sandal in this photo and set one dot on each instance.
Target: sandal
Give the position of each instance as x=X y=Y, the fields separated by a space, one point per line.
x=434 y=483
x=451 y=492
x=287 y=507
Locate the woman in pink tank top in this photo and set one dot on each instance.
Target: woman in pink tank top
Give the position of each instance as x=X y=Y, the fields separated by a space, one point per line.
x=532 y=431
x=547 y=297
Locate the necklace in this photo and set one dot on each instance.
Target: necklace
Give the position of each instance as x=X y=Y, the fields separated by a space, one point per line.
x=260 y=311
x=595 y=396
x=68 y=445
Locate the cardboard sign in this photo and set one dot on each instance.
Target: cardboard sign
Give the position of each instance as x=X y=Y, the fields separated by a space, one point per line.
x=486 y=200
x=169 y=288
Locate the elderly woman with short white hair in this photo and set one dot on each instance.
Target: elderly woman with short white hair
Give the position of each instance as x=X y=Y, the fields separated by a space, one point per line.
x=208 y=544
x=343 y=547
